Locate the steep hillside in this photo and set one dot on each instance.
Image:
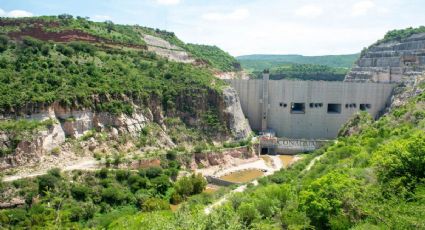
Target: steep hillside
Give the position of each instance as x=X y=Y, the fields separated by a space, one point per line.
x=258 y=62
x=398 y=57
x=105 y=89
x=215 y=57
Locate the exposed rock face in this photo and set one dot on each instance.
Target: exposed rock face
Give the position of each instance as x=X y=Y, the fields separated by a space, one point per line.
x=403 y=93
x=165 y=49
x=391 y=61
x=237 y=122
x=221 y=158
x=71 y=122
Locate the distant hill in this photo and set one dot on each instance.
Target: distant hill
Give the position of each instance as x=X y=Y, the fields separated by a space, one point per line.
x=258 y=62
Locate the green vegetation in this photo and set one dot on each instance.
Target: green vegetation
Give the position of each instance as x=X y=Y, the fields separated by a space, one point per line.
x=257 y=63
x=95 y=199
x=305 y=72
x=398 y=35
x=35 y=71
x=372 y=179
x=214 y=56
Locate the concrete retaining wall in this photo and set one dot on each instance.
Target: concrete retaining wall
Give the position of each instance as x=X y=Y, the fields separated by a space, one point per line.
x=315 y=122
x=218 y=181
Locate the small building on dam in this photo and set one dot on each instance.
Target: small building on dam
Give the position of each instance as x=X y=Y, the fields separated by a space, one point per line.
x=311 y=110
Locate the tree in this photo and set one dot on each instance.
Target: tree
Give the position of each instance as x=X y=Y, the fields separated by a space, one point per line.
x=248 y=213
x=4 y=41
x=155 y=204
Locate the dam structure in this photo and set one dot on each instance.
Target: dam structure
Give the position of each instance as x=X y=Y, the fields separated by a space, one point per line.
x=307 y=110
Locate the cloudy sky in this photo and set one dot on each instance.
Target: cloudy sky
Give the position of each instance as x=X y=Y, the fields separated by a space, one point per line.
x=309 y=27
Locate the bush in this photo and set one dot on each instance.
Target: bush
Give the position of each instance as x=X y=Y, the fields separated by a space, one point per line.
x=80 y=192
x=155 y=204
x=4 y=40
x=248 y=213
x=103 y=173
x=65 y=50
x=137 y=182
x=122 y=175
x=171 y=155
x=153 y=172
x=115 y=195
x=47 y=182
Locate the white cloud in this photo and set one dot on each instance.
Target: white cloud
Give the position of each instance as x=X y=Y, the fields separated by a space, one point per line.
x=362 y=7
x=238 y=14
x=168 y=2
x=102 y=18
x=15 y=13
x=309 y=11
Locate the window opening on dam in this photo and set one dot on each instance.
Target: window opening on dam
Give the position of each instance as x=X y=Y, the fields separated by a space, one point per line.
x=334 y=108
x=297 y=108
x=364 y=107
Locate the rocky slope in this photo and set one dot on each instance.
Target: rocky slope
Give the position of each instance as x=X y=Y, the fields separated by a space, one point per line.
x=75 y=123
x=118 y=89
x=396 y=60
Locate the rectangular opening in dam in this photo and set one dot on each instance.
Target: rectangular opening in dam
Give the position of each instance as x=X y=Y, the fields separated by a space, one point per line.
x=364 y=107
x=297 y=107
x=334 y=108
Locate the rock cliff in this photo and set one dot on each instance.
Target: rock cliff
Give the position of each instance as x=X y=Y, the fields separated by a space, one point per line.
x=391 y=61
x=75 y=123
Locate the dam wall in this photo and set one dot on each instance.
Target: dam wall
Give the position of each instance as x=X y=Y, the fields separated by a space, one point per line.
x=308 y=109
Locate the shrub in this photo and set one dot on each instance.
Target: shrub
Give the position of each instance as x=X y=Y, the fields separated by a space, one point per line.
x=122 y=175
x=103 y=173
x=65 y=50
x=114 y=195
x=171 y=155
x=4 y=40
x=155 y=204
x=153 y=172
x=248 y=213
x=47 y=182
x=80 y=192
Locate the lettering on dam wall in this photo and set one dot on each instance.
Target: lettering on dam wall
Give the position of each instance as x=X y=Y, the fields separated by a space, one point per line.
x=276 y=145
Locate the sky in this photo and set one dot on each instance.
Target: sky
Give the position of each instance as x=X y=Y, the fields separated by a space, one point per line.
x=241 y=27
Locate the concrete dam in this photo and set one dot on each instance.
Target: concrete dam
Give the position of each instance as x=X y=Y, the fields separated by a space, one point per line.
x=311 y=110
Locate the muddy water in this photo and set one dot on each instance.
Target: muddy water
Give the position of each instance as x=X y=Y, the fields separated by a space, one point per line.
x=243 y=176
x=286 y=160
x=268 y=160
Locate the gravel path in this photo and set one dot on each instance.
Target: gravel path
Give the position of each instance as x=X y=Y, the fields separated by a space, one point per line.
x=82 y=165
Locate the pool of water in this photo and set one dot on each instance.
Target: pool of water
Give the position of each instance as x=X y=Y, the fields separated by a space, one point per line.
x=268 y=160
x=243 y=176
x=286 y=160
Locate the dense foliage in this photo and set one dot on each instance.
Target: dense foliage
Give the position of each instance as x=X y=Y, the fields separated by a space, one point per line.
x=371 y=179
x=95 y=199
x=214 y=56
x=34 y=71
x=306 y=72
x=260 y=62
